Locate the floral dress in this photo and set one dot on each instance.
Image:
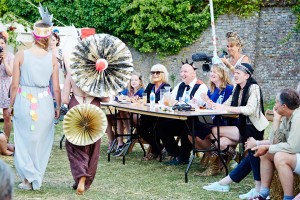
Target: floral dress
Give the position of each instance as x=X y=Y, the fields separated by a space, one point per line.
x=5 y=82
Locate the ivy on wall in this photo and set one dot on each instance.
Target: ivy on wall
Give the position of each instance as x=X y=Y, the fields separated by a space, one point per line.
x=162 y=26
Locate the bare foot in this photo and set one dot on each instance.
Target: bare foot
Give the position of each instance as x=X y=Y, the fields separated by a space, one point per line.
x=80 y=187
x=11 y=147
x=8 y=153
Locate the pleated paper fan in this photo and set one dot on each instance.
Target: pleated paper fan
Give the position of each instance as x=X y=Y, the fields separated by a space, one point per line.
x=101 y=65
x=84 y=124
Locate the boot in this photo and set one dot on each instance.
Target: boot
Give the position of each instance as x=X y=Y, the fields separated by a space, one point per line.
x=213 y=167
x=204 y=160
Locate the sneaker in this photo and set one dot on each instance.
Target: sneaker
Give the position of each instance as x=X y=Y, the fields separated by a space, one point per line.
x=258 y=197
x=176 y=161
x=252 y=193
x=121 y=150
x=25 y=186
x=112 y=149
x=217 y=187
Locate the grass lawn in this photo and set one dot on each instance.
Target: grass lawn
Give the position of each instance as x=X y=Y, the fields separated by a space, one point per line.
x=135 y=180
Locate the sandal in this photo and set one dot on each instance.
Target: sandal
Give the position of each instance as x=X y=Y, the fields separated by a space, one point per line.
x=149 y=156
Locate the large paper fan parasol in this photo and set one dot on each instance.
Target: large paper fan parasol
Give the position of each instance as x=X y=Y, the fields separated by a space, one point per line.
x=84 y=124
x=101 y=65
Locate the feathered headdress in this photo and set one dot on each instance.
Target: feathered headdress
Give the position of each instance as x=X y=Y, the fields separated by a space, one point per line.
x=45 y=30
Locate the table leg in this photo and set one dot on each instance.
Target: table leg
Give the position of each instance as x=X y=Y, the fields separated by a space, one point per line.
x=218 y=140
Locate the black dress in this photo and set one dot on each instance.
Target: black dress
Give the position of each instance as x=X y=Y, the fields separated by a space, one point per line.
x=147 y=125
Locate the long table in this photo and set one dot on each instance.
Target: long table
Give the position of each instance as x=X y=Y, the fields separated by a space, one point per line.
x=141 y=109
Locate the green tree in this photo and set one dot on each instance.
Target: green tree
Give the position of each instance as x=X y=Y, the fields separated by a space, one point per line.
x=162 y=26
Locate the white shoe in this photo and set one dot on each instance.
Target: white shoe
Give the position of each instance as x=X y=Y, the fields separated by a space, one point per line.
x=25 y=186
x=217 y=187
x=252 y=193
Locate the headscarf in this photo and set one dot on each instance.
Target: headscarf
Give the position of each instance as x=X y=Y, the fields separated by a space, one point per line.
x=247 y=68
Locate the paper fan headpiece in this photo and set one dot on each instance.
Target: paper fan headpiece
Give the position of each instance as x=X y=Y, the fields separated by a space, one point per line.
x=43 y=28
x=101 y=65
x=84 y=124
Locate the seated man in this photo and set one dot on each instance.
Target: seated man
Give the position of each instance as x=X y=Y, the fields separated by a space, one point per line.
x=189 y=88
x=283 y=156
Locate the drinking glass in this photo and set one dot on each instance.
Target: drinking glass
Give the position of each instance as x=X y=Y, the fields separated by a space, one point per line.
x=162 y=93
x=144 y=98
x=180 y=100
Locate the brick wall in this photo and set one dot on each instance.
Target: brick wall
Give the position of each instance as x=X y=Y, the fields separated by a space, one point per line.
x=277 y=64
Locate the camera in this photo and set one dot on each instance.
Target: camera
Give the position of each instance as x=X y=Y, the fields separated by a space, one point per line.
x=183 y=107
x=197 y=57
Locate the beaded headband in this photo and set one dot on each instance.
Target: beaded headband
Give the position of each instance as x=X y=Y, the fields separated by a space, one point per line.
x=43 y=32
x=246 y=68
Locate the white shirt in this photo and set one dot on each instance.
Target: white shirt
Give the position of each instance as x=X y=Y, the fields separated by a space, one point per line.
x=201 y=90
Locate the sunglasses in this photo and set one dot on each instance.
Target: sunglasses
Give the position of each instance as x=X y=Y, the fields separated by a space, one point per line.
x=155 y=72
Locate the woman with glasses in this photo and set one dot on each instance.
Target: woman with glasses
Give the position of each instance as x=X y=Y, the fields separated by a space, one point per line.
x=158 y=80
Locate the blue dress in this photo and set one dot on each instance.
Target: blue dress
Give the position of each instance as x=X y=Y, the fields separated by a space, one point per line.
x=216 y=94
x=202 y=130
x=33 y=118
x=138 y=93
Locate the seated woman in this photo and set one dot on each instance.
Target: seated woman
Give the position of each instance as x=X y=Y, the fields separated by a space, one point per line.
x=132 y=93
x=220 y=88
x=158 y=80
x=247 y=101
x=6 y=149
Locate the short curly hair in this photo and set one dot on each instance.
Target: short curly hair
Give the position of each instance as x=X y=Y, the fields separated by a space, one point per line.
x=289 y=97
x=235 y=39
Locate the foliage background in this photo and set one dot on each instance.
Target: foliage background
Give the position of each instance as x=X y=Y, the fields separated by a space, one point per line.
x=161 y=26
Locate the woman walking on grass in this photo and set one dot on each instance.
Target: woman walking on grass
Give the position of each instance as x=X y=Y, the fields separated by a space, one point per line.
x=33 y=108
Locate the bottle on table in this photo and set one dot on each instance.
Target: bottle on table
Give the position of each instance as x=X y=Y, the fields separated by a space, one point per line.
x=152 y=99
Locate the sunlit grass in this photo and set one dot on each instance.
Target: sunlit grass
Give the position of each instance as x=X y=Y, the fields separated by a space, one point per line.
x=135 y=180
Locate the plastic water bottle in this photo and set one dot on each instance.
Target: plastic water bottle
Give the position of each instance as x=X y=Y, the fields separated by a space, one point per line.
x=187 y=97
x=152 y=99
x=220 y=99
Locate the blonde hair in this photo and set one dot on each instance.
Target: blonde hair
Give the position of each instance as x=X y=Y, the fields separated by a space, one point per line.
x=234 y=39
x=130 y=88
x=43 y=43
x=161 y=68
x=223 y=75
